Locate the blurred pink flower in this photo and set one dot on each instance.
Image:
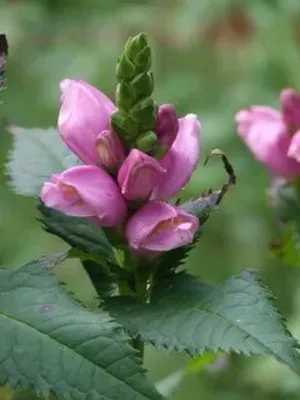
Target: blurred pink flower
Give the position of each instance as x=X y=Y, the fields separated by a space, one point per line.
x=290 y=106
x=294 y=149
x=139 y=175
x=85 y=191
x=181 y=160
x=158 y=226
x=264 y=131
x=85 y=112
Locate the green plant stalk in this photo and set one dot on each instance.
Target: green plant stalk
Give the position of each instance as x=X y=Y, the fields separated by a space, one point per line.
x=141 y=290
x=131 y=263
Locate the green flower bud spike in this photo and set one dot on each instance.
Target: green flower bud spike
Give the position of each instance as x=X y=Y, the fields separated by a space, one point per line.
x=137 y=112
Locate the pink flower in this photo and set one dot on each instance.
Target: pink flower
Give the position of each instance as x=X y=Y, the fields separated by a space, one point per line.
x=110 y=150
x=158 y=226
x=182 y=158
x=290 y=105
x=167 y=125
x=265 y=133
x=139 y=175
x=85 y=191
x=85 y=112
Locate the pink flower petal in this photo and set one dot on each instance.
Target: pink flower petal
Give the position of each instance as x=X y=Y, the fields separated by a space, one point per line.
x=158 y=226
x=182 y=159
x=83 y=191
x=139 y=175
x=84 y=113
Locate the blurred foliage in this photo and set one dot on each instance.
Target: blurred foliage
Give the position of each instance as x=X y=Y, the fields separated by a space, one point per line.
x=212 y=58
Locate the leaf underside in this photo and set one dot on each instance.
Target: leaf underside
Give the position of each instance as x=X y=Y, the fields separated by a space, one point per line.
x=37 y=154
x=52 y=344
x=188 y=315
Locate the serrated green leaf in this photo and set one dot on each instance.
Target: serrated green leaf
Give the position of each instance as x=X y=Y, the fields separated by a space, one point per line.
x=103 y=278
x=188 y=315
x=52 y=260
x=79 y=233
x=52 y=344
x=203 y=206
x=37 y=154
x=90 y=244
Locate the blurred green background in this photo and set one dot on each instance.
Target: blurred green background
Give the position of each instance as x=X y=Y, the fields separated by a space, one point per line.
x=211 y=57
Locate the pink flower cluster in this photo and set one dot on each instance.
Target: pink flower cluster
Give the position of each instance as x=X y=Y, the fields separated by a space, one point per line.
x=273 y=136
x=111 y=179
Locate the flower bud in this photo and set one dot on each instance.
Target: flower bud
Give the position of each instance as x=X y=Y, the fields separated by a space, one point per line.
x=84 y=112
x=167 y=125
x=143 y=84
x=110 y=150
x=290 y=105
x=125 y=68
x=123 y=124
x=139 y=175
x=147 y=142
x=85 y=191
x=145 y=111
x=136 y=109
x=158 y=226
x=138 y=50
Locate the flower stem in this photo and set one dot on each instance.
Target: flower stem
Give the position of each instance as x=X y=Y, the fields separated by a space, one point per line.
x=141 y=278
x=139 y=345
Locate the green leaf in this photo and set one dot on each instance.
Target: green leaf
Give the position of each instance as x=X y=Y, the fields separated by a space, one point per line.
x=90 y=244
x=52 y=344
x=105 y=278
x=188 y=315
x=79 y=233
x=52 y=260
x=36 y=155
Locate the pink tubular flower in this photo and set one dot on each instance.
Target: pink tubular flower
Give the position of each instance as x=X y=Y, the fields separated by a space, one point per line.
x=139 y=175
x=85 y=112
x=85 y=191
x=158 y=226
x=264 y=131
x=182 y=158
x=110 y=150
x=167 y=125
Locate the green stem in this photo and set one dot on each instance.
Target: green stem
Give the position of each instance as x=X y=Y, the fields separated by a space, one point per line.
x=141 y=291
x=141 y=280
x=139 y=345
